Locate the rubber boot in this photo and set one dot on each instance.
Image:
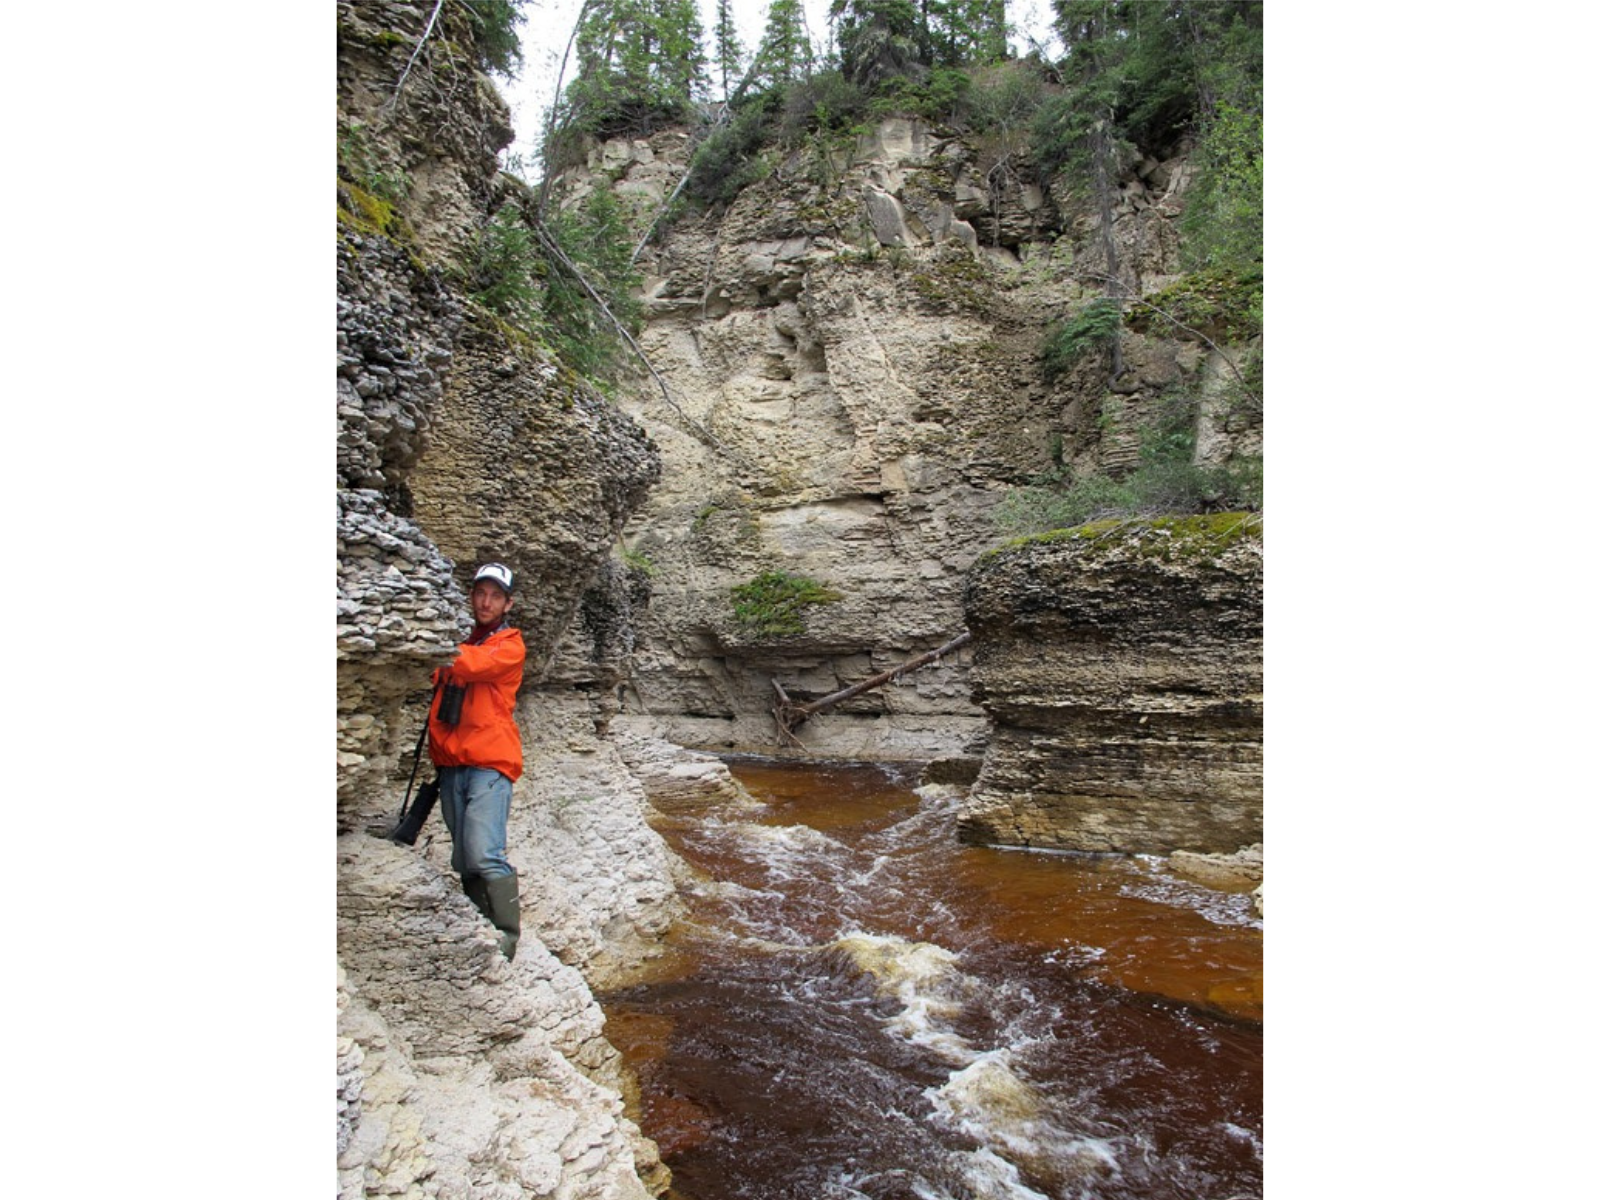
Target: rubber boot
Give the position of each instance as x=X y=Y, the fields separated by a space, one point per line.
x=505 y=911
x=477 y=889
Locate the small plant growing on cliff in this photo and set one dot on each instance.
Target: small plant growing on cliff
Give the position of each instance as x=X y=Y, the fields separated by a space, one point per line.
x=638 y=560
x=729 y=160
x=1067 y=341
x=505 y=268
x=773 y=604
x=361 y=162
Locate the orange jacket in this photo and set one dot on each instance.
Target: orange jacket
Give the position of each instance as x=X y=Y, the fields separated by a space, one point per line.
x=486 y=735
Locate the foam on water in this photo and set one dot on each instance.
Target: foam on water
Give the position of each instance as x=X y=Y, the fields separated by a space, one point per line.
x=924 y=979
x=1240 y=1134
x=1220 y=908
x=990 y=1103
x=991 y=1177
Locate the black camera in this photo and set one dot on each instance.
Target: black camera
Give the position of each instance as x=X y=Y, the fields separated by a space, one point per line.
x=450 y=697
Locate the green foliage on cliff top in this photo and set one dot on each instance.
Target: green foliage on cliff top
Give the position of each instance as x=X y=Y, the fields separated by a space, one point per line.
x=773 y=604
x=1168 y=539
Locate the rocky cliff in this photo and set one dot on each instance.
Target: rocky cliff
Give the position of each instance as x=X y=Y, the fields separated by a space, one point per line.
x=850 y=356
x=1121 y=667
x=849 y=385
x=460 y=1073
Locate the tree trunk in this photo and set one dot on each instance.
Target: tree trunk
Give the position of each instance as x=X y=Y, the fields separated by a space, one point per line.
x=790 y=715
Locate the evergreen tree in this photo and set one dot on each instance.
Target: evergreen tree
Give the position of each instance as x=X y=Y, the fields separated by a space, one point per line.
x=785 y=53
x=1140 y=76
x=640 y=63
x=1081 y=128
x=729 y=53
x=965 y=33
x=881 y=40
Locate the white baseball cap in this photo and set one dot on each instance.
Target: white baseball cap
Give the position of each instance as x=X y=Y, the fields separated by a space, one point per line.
x=495 y=573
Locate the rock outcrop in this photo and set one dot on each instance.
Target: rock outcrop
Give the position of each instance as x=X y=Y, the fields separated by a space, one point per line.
x=1121 y=668
x=459 y=1073
x=851 y=352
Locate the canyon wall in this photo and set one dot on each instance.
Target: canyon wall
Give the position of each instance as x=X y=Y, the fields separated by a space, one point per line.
x=1121 y=666
x=849 y=383
x=459 y=1073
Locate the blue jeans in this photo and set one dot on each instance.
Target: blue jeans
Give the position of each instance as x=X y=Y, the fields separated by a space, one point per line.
x=476 y=802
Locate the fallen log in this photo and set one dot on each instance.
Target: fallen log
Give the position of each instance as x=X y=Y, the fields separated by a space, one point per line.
x=788 y=715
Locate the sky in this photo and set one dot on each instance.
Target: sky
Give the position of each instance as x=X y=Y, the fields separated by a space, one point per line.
x=549 y=25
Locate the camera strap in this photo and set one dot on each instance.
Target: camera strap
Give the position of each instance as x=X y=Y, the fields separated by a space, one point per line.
x=416 y=761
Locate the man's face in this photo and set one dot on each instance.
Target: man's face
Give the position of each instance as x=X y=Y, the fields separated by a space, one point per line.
x=490 y=603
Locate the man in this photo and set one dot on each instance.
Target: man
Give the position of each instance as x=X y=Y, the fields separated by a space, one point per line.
x=473 y=741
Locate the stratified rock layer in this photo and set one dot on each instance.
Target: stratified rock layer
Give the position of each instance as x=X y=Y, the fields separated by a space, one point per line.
x=851 y=355
x=1121 y=668
x=459 y=1074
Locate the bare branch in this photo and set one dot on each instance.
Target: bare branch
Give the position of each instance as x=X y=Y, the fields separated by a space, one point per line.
x=688 y=170
x=788 y=714
x=699 y=430
x=411 y=62
x=550 y=113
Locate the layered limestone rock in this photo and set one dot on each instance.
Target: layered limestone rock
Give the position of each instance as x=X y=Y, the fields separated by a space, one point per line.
x=462 y=1074
x=459 y=1073
x=850 y=356
x=1121 y=668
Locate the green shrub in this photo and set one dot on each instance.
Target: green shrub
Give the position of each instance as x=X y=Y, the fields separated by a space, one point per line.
x=361 y=163
x=1167 y=481
x=637 y=560
x=1067 y=341
x=827 y=101
x=1058 y=502
x=505 y=269
x=934 y=98
x=1222 y=221
x=1002 y=97
x=729 y=160
x=596 y=238
x=773 y=603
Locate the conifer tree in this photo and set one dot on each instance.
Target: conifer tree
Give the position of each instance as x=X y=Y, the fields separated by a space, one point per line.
x=965 y=32
x=729 y=53
x=785 y=53
x=640 y=63
x=1142 y=76
x=881 y=40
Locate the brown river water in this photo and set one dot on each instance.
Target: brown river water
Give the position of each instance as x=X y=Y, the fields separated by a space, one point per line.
x=858 y=1006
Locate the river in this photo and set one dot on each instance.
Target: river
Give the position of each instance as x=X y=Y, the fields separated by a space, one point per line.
x=859 y=1006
